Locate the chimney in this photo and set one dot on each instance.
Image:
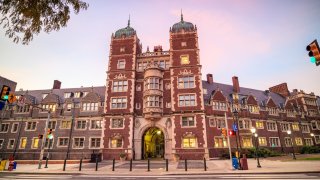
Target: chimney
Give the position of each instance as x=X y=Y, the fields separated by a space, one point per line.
x=281 y=89
x=209 y=78
x=235 y=83
x=56 y=84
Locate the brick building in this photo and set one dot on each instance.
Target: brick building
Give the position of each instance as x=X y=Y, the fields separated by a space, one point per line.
x=80 y=108
x=156 y=105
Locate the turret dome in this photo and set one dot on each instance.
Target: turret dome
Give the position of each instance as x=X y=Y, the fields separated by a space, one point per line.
x=186 y=26
x=127 y=31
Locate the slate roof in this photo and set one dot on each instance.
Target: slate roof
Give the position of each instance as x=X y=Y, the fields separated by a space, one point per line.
x=37 y=94
x=226 y=89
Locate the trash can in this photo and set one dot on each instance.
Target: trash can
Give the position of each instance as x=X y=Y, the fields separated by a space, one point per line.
x=14 y=165
x=244 y=163
x=235 y=163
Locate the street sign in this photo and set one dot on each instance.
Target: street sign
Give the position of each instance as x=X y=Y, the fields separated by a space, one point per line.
x=12 y=98
x=234 y=127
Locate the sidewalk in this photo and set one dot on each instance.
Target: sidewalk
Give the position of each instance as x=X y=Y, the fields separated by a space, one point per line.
x=158 y=167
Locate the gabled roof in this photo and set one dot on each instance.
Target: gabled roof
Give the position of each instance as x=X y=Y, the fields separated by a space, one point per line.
x=37 y=94
x=227 y=90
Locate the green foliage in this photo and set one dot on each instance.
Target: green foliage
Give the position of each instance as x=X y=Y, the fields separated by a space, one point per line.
x=28 y=17
x=262 y=152
x=310 y=149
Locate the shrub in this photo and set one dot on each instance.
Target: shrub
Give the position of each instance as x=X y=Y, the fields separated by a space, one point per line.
x=310 y=149
x=123 y=155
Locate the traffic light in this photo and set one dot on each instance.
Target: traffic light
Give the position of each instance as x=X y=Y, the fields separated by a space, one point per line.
x=5 y=92
x=232 y=133
x=314 y=52
x=49 y=134
x=224 y=132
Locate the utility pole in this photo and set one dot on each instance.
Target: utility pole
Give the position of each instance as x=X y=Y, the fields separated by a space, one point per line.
x=228 y=137
x=44 y=139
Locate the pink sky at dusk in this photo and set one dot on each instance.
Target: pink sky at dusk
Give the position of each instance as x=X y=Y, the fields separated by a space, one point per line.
x=261 y=42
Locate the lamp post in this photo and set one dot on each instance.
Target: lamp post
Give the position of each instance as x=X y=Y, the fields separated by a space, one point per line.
x=312 y=137
x=294 y=156
x=70 y=136
x=255 y=137
x=236 y=122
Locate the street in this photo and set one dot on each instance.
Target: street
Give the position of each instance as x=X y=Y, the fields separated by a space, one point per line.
x=6 y=176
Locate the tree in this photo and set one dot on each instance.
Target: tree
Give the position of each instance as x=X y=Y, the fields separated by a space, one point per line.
x=24 y=18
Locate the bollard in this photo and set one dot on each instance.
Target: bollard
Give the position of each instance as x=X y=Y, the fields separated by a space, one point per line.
x=80 y=164
x=46 y=166
x=148 y=164
x=185 y=165
x=167 y=164
x=130 y=164
x=205 y=164
x=96 y=163
x=64 y=164
x=113 y=162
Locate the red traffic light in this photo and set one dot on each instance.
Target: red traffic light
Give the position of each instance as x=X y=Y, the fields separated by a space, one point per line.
x=40 y=136
x=232 y=133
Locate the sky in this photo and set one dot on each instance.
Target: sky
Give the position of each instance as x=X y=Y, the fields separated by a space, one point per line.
x=263 y=42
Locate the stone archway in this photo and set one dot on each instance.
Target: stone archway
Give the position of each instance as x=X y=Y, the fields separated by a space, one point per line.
x=139 y=143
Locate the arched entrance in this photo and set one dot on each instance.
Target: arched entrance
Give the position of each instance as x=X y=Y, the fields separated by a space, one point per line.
x=152 y=143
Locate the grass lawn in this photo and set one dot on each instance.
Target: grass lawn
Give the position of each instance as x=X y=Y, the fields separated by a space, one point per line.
x=310 y=159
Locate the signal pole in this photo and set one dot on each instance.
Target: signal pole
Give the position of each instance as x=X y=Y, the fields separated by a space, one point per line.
x=228 y=137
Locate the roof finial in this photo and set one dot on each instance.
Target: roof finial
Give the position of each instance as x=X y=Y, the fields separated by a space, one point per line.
x=181 y=16
x=129 y=21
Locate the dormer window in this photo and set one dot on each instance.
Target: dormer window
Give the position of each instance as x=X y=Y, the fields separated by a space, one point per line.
x=51 y=107
x=77 y=94
x=222 y=106
x=85 y=93
x=290 y=113
x=89 y=106
x=67 y=95
x=272 y=111
x=253 y=109
x=44 y=95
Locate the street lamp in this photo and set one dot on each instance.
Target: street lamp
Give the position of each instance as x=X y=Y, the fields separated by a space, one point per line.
x=236 y=123
x=294 y=156
x=257 y=149
x=312 y=135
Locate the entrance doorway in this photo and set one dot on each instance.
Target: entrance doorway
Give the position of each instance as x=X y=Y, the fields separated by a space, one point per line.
x=152 y=144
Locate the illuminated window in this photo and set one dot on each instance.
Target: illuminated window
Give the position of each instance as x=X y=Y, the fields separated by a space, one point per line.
x=116 y=143
x=189 y=142
x=186 y=82
x=51 y=107
x=187 y=100
x=220 y=142
x=188 y=121
x=262 y=141
x=298 y=141
x=259 y=125
x=35 y=143
x=23 y=143
x=120 y=86
x=295 y=127
x=246 y=142
x=274 y=142
x=184 y=59
x=66 y=124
